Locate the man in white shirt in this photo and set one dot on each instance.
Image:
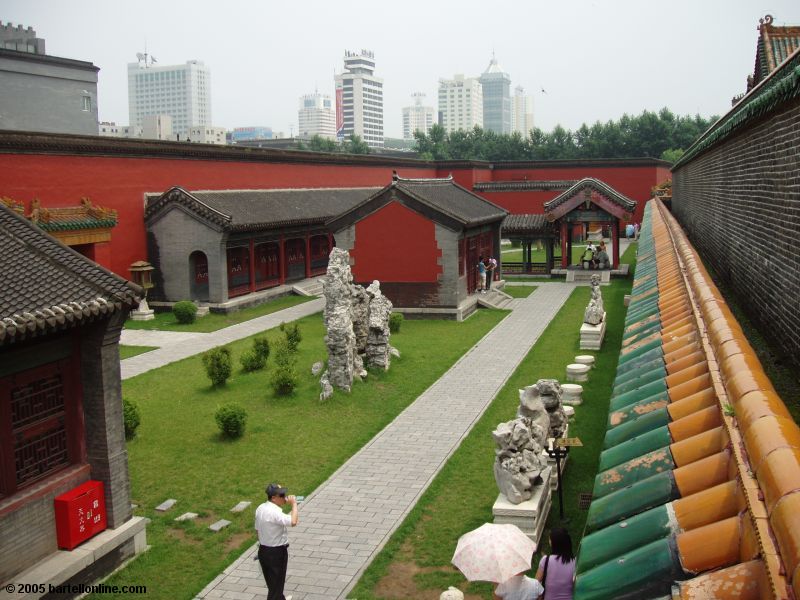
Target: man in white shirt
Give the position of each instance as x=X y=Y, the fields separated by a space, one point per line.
x=273 y=538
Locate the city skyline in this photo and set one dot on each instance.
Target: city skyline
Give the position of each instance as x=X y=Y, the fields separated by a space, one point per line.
x=582 y=61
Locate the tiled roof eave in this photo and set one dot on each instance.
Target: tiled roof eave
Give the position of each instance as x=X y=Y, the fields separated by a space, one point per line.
x=279 y=224
x=44 y=321
x=82 y=224
x=623 y=202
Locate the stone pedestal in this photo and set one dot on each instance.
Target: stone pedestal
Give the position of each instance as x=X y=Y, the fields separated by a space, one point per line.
x=571 y=394
x=592 y=335
x=577 y=372
x=570 y=412
x=202 y=311
x=585 y=359
x=531 y=515
x=143 y=313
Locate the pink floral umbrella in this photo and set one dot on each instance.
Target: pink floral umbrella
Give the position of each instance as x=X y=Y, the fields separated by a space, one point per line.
x=493 y=553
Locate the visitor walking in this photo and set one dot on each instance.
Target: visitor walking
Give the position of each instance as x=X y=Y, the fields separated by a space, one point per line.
x=481 y=276
x=273 y=538
x=519 y=587
x=557 y=570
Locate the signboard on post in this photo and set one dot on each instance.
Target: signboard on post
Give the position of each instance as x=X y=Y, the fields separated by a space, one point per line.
x=568 y=442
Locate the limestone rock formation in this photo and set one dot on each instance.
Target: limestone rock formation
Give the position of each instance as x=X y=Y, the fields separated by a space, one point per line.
x=357 y=322
x=594 y=311
x=380 y=308
x=546 y=392
x=518 y=459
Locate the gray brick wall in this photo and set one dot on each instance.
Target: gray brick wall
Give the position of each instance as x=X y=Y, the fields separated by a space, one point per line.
x=739 y=202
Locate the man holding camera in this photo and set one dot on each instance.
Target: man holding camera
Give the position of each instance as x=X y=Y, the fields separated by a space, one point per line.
x=273 y=538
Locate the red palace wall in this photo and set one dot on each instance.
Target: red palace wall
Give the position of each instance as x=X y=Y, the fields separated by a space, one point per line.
x=121 y=183
x=396 y=244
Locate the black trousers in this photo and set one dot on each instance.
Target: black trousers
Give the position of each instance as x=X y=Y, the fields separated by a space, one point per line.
x=274 y=560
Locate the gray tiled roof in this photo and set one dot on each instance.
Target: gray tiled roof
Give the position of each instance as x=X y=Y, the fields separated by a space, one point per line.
x=590 y=182
x=238 y=210
x=526 y=224
x=47 y=286
x=451 y=199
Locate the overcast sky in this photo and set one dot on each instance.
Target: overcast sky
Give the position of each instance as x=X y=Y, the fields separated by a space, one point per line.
x=583 y=60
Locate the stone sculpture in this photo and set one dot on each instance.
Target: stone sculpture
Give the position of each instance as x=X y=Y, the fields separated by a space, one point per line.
x=594 y=311
x=546 y=393
x=518 y=461
x=357 y=322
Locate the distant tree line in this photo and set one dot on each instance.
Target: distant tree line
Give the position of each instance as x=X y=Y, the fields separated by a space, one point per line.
x=659 y=135
x=352 y=145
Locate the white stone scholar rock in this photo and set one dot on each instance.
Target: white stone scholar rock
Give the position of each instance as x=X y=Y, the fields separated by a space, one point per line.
x=518 y=458
x=380 y=308
x=594 y=311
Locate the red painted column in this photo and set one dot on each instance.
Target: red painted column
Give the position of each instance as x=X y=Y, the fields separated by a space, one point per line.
x=252 y=268
x=615 y=242
x=281 y=262
x=308 y=256
x=564 y=246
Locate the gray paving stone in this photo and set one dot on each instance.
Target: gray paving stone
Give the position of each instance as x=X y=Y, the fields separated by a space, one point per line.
x=241 y=506
x=166 y=505
x=221 y=524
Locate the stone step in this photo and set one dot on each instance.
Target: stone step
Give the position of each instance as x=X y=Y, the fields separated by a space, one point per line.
x=308 y=287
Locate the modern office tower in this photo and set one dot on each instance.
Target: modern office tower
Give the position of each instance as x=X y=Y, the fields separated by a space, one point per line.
x=417 y=117
x=181 y=91
x=496 y=98
x=44 y=93
x=521 y=112
x=460 y=103
x=359 y=99
x=316 y=116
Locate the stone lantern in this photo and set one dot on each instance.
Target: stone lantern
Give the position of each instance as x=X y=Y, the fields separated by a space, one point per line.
x=141 y=274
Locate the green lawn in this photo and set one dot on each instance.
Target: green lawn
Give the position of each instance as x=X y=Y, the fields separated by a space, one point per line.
x=165 y=321
x=296 y=440
x=128 y=351
x=539 y=256
x=519 y=291
x=417 y=558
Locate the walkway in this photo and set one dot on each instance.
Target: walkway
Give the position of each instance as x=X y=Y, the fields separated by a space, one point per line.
x=173 y=346
x=348 y=519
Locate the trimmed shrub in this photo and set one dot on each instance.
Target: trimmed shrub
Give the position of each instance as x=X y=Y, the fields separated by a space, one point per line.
x=395 y=322
x=283 y=378
x=261 y=347
x=217 y=362
x=293 y=336
x=131 y=417
x=231 y=419
x=252 y=361
x=185 y=311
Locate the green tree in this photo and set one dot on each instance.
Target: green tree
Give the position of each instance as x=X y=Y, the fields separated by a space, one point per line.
x=355 y=145
x=317 y=143
x=672 y=155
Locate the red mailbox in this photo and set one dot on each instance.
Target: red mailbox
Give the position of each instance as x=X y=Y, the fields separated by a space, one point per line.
x=80 y=514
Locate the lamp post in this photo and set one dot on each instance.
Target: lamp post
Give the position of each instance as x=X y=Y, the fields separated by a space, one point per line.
x=141 y=274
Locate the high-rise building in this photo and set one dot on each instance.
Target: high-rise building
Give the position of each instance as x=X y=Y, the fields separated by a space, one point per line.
x=496 y=98
x=181 y=91
x=521 y=112
x=316 y=116
x=360 y=110
x=417 y=117
x=460 y=103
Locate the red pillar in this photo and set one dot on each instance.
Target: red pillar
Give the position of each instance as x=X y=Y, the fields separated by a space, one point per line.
x=615 y=243
x=252 y=268
x=308 y=256
x=565 y=258
x=281 y=262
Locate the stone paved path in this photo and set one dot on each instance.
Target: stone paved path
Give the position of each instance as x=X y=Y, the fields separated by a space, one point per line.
x=173 y=346
x=349 y=518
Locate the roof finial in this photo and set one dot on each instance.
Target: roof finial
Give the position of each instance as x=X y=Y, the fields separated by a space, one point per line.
x=395 y=177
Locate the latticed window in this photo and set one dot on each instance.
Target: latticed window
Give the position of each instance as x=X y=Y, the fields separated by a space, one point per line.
x=35 y=407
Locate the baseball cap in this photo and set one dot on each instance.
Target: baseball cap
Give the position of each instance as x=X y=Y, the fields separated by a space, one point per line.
x=276 y=489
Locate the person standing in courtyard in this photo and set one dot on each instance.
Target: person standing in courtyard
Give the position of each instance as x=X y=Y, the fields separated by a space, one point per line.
x=273 y=538
x=557 y=570
x=490 y=267
x=481 y=276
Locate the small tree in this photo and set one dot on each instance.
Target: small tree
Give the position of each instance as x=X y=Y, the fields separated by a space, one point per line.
x=217 y=362
x=261 y=347
x=231 y=420
x=293 y=336
x=395 y=322
x=185 y=311
x=131 y=417
x=255 y=359
x=284 y=376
